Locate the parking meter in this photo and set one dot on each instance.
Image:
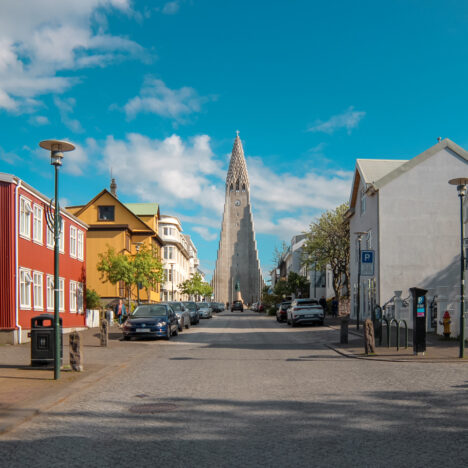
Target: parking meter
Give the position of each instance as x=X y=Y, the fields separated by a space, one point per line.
x=419 y=319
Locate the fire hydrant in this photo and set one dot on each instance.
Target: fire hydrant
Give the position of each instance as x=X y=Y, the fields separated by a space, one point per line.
x=446 y=323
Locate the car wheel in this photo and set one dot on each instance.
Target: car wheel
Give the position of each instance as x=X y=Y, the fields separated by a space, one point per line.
x=187 y=325
x=126 y=338
x=180 y=327
x=322 y=322
x=168 y=334
x=176 y=332
x=277 y=319
x=293 y=323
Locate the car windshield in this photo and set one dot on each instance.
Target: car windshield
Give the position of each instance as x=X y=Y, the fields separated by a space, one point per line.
x=237 y=302
x=190 y=305
x=285 y=305
x=307 y=303
x=176 y=306
x=150 y=311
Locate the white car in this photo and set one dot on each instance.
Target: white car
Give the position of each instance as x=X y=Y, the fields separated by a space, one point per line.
x=204 y=310
x=305 y=311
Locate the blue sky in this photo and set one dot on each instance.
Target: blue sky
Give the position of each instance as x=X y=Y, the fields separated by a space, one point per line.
x=155 y=91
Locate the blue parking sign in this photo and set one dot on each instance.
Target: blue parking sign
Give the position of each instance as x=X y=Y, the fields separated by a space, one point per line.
x=367 y=262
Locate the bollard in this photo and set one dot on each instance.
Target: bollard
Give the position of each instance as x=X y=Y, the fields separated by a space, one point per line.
x=344 y=329
x=76 y=355
x=104 y=335
x=369 y=339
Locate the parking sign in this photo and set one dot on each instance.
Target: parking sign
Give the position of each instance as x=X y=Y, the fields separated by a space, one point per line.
x=367 y=262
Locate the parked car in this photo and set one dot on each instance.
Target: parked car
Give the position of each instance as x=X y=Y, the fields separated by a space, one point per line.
x=254 y=307
x=151 y=320
x=182 y=313
x=204 y=310
x=260 y=307
x=237 y=305
x=193 y=311
x=282 y=311
x=216 y=307
x=222 y=306
x=305 y=311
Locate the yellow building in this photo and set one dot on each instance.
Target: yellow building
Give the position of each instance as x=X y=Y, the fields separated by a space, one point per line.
x=125 y=227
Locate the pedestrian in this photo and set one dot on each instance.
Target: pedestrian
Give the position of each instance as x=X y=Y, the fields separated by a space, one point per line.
x=120 y=311
x=227 y=305
x=323 y=303
x=334 y=306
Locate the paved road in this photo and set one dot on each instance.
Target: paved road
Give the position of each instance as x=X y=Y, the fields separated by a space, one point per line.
x=243 y=390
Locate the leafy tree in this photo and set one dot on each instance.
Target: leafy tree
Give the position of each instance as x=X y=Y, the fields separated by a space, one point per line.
x=279 y=252
x=93 y=300
x=196 y=286
x=144 y=269
x=298 y=285
x=327 y=243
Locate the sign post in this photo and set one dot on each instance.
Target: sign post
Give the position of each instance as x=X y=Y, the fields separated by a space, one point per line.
x=367 y=262
x=419 y=319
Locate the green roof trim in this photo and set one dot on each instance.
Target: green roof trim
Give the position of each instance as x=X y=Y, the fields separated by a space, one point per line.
x=143 y=209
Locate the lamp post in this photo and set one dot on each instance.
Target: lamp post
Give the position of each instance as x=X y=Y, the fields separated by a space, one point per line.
x=461 y=183
x=172 y=279
x=315 y=279
x=56 y=148
x=137 y=247
x=359 y=235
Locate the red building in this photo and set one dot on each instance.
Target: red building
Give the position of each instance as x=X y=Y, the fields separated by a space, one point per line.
x=27 y=262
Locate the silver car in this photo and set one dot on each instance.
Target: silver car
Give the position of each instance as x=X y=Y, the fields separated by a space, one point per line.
x=204 y=310
x=182 y=313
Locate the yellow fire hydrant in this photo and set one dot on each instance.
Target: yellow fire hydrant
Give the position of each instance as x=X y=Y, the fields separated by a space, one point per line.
x=446 y=323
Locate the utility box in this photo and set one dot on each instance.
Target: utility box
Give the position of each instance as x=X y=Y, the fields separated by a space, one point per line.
x=43 y=340
x=419 y=319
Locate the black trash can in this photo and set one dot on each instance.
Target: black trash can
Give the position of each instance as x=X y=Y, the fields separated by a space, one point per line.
x=43 y=341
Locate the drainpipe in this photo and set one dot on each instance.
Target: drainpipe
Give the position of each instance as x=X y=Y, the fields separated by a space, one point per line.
x=18 y=185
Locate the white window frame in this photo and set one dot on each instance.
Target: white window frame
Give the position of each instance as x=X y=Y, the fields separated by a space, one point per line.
x=73 y=241
x=369 y=239
x=50 y=238
x=73 y=297
x=50 y=293
x=362 y=201
x=25 y=281
x=38 y=224
x=38 y=290
x=62 y=236
x=80 y=245
x=25 y=217
x=61 y=294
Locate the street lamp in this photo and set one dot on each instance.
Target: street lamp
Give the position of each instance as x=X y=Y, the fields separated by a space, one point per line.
x=56 y=148
x=172 y=279
x=137 y=247
x=461 y=183
x=359 y=235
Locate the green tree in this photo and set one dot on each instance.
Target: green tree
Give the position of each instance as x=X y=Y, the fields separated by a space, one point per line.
x=298 y=285
x=196 y=286
x=327 y=243
x=93 y=300
x=144 y=269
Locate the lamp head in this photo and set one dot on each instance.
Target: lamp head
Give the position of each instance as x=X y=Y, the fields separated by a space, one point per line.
x=461 y=183
x=56 y=148
x=359 y=234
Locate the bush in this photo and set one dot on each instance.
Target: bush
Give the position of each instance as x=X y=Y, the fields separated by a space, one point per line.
x=93 y=300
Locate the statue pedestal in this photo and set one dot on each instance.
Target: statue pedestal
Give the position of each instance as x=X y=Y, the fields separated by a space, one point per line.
x=239 y=296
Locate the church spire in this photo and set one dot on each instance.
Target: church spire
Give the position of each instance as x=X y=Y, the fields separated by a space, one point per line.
x=237 y=176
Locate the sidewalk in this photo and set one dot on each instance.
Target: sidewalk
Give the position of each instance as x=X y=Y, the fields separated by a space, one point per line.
x=26 y=391
x=437 y=349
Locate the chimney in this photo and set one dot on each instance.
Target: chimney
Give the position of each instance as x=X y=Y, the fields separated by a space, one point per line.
x=113 y=187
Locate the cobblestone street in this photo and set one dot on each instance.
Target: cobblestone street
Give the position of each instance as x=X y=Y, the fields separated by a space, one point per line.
x=243 y=390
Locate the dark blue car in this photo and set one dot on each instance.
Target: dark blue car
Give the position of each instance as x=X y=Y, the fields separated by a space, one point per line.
x=152 y=321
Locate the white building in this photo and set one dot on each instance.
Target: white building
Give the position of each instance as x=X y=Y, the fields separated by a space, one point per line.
x=178 y=256
x=411 y=216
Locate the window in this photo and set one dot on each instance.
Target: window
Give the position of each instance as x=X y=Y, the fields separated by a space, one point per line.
x=231 y=188
x=72 y=296
x=37 y=292
x=237 y=185
x=37 y=224
x=80 y=245
x=169 y=275
x=25 y=217
x=79 y=297
x=25 y=289
x=62 y=236
x=50 y=293
x=369 y=239
x=243 y=187
x=105 y=213
x=73 y=241
x=166 y=231
x=61 y=294
x=363 y=201
x=50 y=238
x=169 y=252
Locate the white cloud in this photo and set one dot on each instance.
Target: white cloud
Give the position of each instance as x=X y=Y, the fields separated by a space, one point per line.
x=157 y=98
x=169 y=171
x=171 y=8
x=65 y=107
x=39 y=120
x=205 y=233
x=348 y=120
x=39 y=38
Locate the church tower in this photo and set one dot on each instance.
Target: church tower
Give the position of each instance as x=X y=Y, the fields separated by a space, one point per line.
x=237 y=273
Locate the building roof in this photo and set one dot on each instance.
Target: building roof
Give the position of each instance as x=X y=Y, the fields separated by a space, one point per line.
x=237 y=167
x=373 y=170
x=143 y=209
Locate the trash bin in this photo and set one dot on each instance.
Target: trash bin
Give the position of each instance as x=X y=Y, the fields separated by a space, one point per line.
x=43 y=340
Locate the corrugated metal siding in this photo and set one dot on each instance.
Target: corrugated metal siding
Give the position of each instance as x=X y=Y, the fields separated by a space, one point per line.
x=7 y=257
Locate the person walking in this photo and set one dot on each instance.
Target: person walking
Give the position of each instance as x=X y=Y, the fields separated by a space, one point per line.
x=323 y=303
x=120 y=311
x=334 y=306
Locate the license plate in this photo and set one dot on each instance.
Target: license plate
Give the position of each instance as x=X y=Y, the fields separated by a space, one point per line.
x=143 y=330
x=311 y=316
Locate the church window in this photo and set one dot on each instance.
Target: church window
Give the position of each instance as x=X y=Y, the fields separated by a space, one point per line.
x=243 y=187
x=237 y=185
x=231 y=188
